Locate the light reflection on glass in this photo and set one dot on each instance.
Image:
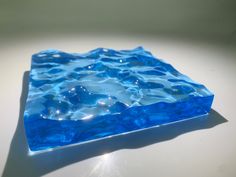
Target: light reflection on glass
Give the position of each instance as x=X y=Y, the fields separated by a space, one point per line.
x=87 y=117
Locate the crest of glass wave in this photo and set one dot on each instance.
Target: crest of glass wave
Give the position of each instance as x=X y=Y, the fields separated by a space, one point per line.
x=76 y=98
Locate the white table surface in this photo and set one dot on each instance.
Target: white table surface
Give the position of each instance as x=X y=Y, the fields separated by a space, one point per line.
x=204 y=147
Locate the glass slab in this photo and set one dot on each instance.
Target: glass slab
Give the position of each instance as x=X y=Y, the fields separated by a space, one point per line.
x=81 y=97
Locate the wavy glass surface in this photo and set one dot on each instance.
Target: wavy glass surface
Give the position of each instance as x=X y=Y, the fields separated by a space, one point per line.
x=76 y=98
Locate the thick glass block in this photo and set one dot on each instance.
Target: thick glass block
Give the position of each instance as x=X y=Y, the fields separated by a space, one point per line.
x=76 y=98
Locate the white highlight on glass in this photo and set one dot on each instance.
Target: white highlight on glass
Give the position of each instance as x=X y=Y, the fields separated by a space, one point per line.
x=87 y=117
x=56 y=55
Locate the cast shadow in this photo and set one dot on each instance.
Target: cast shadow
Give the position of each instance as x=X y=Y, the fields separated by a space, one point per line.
x=20 y=164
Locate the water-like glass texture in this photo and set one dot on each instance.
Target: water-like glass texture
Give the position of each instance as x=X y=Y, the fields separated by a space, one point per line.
x=76 y=98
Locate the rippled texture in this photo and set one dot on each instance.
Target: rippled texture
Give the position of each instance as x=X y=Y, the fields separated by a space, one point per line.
x=75 y=98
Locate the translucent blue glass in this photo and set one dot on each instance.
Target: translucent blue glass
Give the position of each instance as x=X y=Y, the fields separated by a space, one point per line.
x=76 y=98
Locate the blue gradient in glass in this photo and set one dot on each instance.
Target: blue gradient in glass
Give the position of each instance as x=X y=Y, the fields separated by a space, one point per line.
x=76 y=98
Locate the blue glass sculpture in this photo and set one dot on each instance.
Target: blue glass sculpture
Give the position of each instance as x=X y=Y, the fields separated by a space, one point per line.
x=77 y=98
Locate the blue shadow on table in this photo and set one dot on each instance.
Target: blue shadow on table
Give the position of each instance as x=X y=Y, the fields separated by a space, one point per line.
x=20 y=164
